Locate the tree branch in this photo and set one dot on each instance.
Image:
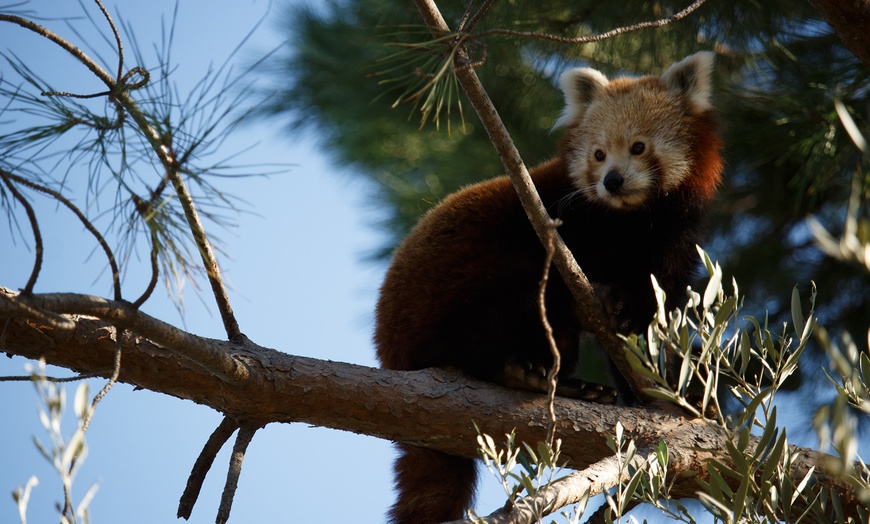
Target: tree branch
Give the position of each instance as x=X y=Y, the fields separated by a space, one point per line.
x=243 y=439
x=424 y=408
x=850 y=19
x=596 y=38
x=596 y=317
x=204 y=352
x=173 y=173
x=203 y=464
x=591 y=481
x=119 y=93
x=116 y=273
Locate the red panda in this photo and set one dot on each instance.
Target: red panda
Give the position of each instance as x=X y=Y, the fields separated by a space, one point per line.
x=636 y=171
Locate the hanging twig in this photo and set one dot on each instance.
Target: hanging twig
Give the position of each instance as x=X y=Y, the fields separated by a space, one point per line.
x=37 y=236
x=553 y=373
x=155 y=271
x=246 y=433
x=89 y=414
x=203 y=464
x=116 y=275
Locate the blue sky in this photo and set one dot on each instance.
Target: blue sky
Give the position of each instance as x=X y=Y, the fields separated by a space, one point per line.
x=299 y=285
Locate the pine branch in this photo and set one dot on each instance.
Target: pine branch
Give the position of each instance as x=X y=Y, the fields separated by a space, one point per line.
x=119 y=93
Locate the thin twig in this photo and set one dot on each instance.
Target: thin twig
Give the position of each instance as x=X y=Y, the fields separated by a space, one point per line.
x=465 y=16
x=117 y=37
x=246 y=433
x=89 y=414
x=553 y=373
x=116 y=274
x=95 y=68
x=155 y=271
x=469 y=26
x=145 y=211
x=595 y=316
x=116 y=372
x=596 y=38
x=37 y=235
x=203 y=464
x=209 y=261
x=55 y=380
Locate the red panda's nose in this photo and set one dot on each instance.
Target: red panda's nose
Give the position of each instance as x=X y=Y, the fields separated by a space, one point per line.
x=613 y=181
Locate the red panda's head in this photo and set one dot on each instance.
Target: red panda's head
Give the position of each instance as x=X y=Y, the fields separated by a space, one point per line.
x=631 y=140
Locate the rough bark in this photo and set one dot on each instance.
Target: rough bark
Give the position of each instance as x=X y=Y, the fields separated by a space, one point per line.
x=432 y=408
x=851 y=20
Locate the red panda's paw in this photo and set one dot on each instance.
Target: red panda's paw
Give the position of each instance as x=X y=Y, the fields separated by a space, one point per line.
x=524 y=375
x=588 y=391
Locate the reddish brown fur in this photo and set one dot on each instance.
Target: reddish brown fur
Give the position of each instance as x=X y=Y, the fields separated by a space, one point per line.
x=461 y=291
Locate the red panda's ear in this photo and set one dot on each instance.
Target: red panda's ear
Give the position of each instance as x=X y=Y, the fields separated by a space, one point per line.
x=691 y=78
x=580 y=87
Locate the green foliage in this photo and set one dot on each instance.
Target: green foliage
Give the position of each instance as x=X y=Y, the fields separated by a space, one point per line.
x=751 y=362
x=647 y=483
x=710 y=343
x=524 y=471
x=779 y=71
x=758 y=477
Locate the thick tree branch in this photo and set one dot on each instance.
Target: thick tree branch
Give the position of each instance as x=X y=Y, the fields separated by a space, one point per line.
x=596 y=318
x=421 y=407
x=851 y=20
x=205 y=352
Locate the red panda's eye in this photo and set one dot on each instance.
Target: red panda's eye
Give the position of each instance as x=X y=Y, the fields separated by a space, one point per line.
x=637 y=148
x=599 y=155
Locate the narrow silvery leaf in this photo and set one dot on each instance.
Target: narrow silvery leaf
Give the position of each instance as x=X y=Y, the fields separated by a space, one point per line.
x=713 y=287
x=797 y=315
x=80 y=403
